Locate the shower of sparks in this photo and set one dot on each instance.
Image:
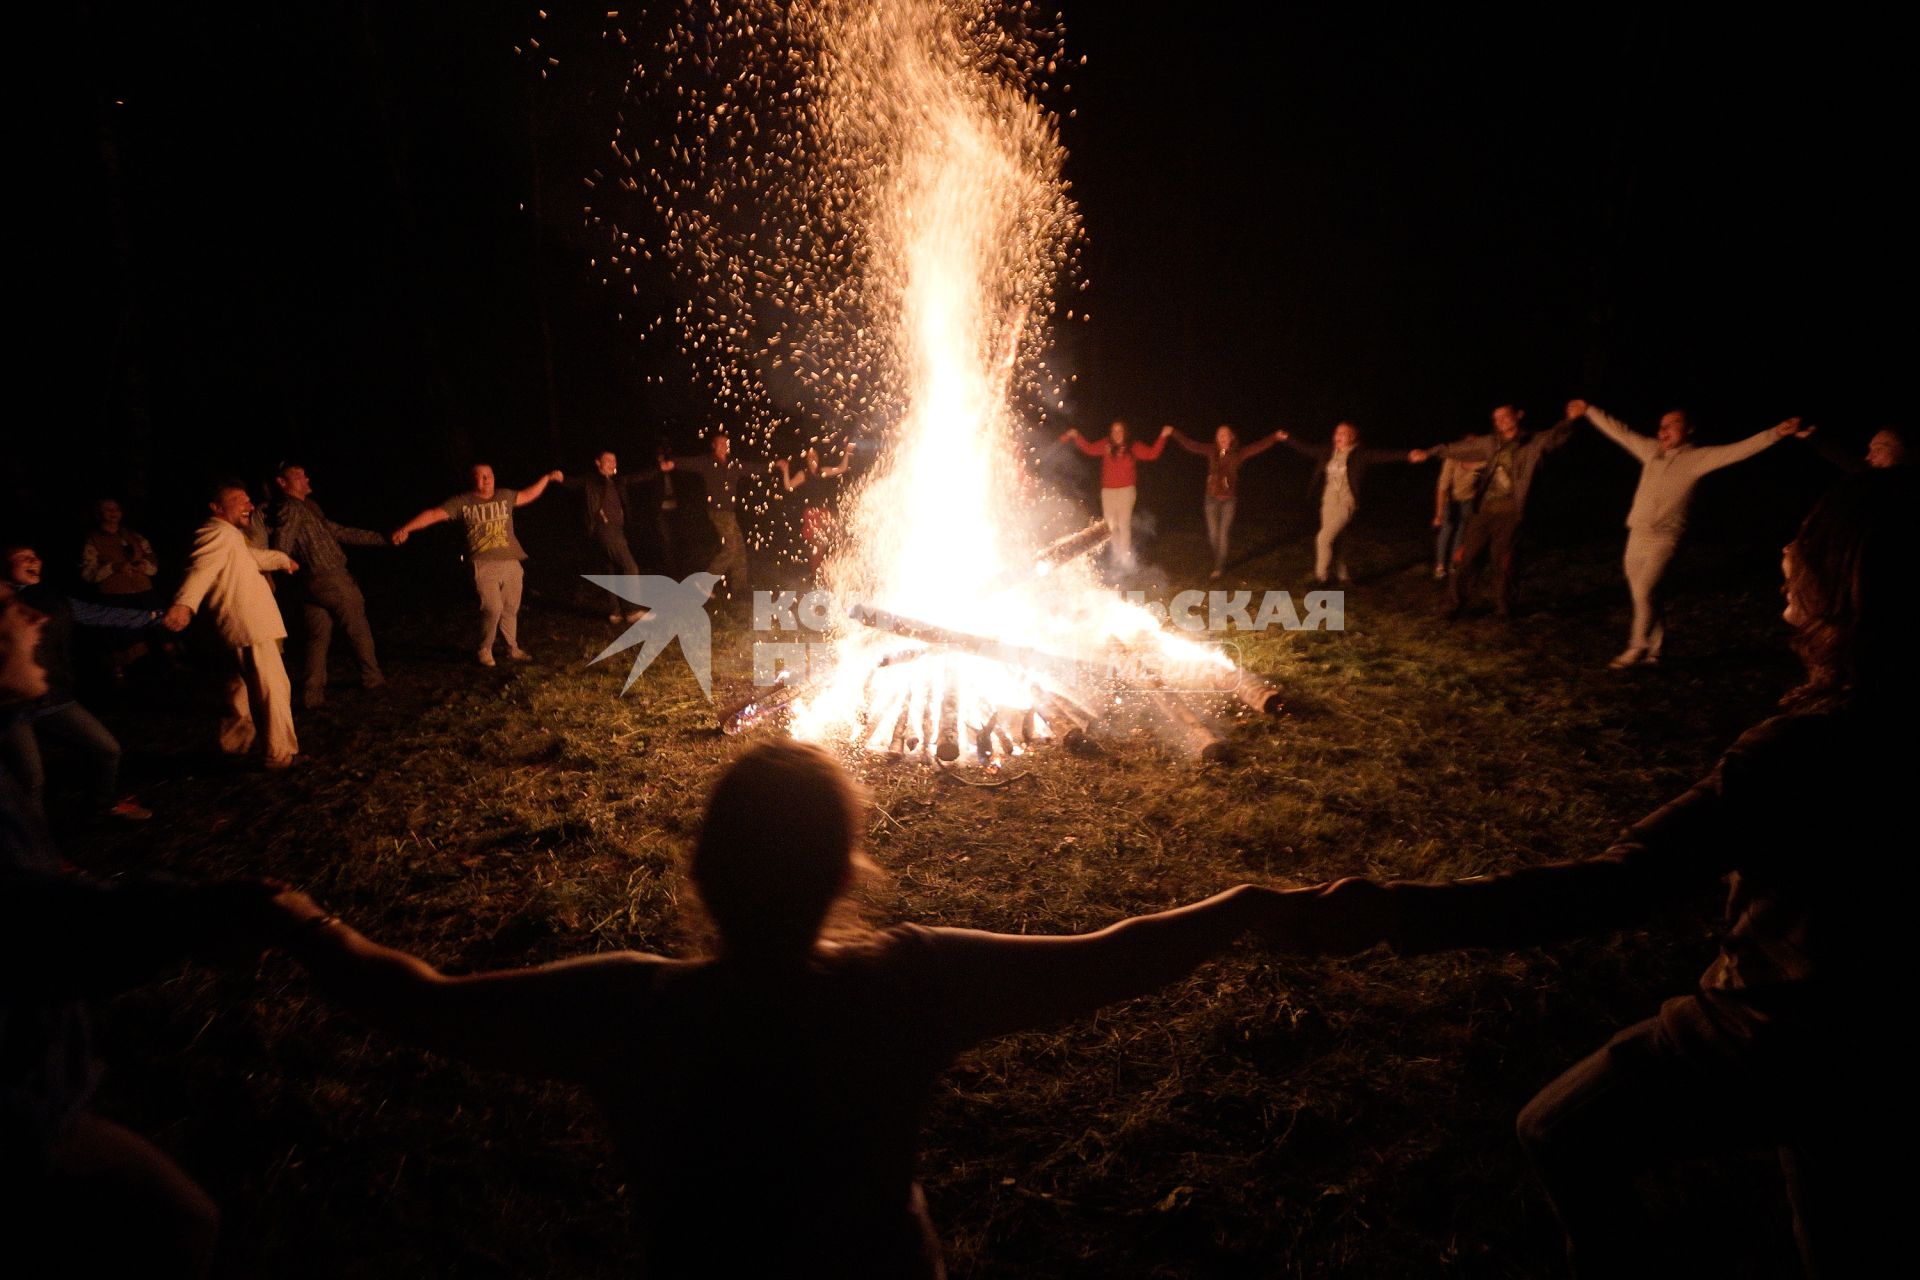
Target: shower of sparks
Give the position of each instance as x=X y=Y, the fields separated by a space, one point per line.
x=863 y=205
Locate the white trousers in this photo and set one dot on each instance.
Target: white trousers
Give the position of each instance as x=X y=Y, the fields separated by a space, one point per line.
x=1336 y=513
x=258 y=691
x=1116 y=506
x=1648 y=555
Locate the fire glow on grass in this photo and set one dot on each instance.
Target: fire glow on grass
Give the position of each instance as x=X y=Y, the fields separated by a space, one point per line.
x=876 y=214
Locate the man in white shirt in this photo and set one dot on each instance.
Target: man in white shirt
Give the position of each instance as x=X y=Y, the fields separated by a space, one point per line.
x=227 y=575
x=1671 y=465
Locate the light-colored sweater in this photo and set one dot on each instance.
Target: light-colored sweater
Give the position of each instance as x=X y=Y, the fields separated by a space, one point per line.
x=229 y=577
x=1668 y=476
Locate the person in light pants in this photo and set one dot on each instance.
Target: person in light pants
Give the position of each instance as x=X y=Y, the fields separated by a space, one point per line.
x=227 y=577
x=1118 y=474
x=1671 y=465
x=1339 y=472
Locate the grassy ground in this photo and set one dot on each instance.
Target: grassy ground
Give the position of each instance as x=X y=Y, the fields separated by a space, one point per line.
x=1269 y=1117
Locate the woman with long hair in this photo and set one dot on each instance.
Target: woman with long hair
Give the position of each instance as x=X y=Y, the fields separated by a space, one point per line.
x=768 y=1096
x=1796 y=1037
x=1222 y=493
x=1119 y=456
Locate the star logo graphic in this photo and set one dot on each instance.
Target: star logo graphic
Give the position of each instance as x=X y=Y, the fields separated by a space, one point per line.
x=679 y=613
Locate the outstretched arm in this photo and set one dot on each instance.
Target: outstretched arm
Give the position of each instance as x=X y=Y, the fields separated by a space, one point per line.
x=538 y=487
x=1714 y=456
x=545 y=1021
x=1261 y=445
x=431 y=516
x=1009 y=982
x=1078 y=441
x=1641 y=447
x=1191 y=445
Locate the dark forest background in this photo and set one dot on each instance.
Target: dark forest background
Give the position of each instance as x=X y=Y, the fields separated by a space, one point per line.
x=354 y=233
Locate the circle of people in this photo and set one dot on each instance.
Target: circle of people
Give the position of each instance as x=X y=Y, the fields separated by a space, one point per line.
x=780 y=1080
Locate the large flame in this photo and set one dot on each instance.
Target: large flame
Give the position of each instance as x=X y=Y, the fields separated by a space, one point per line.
x=934 y=229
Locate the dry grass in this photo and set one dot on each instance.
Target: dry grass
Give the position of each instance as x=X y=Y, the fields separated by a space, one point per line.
x=1267 y=1117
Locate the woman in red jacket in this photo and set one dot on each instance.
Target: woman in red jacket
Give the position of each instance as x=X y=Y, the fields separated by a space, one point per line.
x=1117 y=456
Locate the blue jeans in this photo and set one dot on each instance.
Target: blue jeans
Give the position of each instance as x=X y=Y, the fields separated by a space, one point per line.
x=74 y=726
x=1219 y=513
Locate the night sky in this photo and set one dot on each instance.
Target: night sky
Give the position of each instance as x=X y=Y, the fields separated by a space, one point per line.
x=353 y=233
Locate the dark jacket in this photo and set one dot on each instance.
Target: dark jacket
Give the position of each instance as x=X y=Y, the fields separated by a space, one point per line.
x=1529 y=449
x=1357 y=463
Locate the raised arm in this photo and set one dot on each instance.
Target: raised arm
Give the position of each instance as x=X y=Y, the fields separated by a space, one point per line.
x=1010 y=982
x=1560 y=432
x=1712 y=457
x=1261 y=445
x=1850 y=461
x=788 y=481
x=1191 y=445
x=1152 y=452
x=1078 y=441
x=1641 y=447
x=546 y=1021
x=1467 y=449
x=538 y=487
x=426 y=519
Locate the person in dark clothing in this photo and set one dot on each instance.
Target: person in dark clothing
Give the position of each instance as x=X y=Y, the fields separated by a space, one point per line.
x=1222 y=492
x=85 y=1195
x=1511 y=456
x=1796 y=1036
x=607 y=496
x=1339 y=474
x=820 y=499
x=323 y=588
x=57 y=715
x=769 y=1098
x=722 y=473
x=1885 y=450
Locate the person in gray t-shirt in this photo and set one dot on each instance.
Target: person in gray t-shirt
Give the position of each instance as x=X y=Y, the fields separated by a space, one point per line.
x=486 y=516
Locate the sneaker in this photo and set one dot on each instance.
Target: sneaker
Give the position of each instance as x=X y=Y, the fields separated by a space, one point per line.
x=1439 y=573
x=519 y=655
x=127 y=809
x=1651 y=660
x=1630 y=658
x=486 y=657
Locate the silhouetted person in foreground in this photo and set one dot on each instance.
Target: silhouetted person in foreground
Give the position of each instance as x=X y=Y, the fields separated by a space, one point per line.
x=1797 y=1036
x=769 y=1097
x=84 y=1195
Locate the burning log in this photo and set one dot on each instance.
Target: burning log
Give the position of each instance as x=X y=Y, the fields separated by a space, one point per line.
x=1068 y=720
x=1257 y=693
x=1072 y=547
x=1195 y=733
x=966 y=642
x=762 y=705
x=948 y=726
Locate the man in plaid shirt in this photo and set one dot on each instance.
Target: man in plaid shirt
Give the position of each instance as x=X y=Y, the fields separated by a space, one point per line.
x=324 y=590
